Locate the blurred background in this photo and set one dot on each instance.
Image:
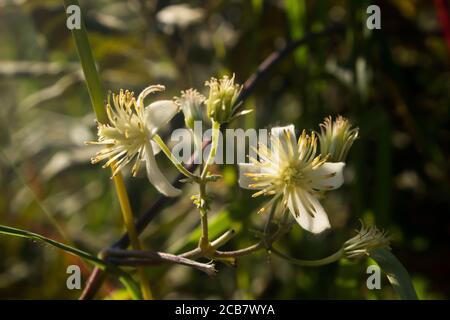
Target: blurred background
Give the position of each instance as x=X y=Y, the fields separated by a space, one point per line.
x=393 y=83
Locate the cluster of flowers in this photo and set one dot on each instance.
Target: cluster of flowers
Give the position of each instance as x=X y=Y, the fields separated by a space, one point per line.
x=295 y=173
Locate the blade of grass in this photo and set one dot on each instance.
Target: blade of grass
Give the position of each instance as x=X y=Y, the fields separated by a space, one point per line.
x=91 y=75
x=396 y=273
x=96 y=94
x=124 y=277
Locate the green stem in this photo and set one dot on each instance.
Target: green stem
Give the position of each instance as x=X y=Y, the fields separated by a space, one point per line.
x=213 y=150
x=204 y=243
x=204 y=239
x=311 y=263
x=131 y=229
x=171 y=157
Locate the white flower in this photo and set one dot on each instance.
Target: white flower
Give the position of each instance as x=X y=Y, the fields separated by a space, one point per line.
x=292 y=172
x=128 y=135
x=367 y=238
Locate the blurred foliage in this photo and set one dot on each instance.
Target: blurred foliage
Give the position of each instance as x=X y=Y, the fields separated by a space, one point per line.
x=393 y=83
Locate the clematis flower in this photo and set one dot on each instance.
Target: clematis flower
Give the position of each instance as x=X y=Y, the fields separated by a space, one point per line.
x=128 y=135
x=291 y=172
x=367 y=238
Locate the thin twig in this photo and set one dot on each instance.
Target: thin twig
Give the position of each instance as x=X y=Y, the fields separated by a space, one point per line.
x=265 y=243
x=140 y=257
x=197 y=252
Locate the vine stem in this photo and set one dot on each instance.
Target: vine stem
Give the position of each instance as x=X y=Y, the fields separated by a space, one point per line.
x=203 y=200
x=204 y=239
x=310 y=263
x=213 y=150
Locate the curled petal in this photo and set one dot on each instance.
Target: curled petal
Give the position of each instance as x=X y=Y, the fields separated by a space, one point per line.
x=146 y=92
x=156 y=177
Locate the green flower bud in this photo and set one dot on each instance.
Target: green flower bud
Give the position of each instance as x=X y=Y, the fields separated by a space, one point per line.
x=223 y=94
x=336 y=138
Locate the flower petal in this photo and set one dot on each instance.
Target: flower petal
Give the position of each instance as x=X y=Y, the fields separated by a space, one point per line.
x=156 y=148
x=156 y=177
x=278 y=132
x=328 y=176
x=146 y=92
x=246 y=169
x=283 y=142
x=159 y=113
x=296 y=205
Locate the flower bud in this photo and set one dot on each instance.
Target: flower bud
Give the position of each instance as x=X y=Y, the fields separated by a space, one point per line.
x=223 y=94
x=367 y=238
x=192 y=105
x=336 y=138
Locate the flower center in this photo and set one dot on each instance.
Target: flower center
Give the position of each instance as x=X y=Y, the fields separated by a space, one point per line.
x=292 y=175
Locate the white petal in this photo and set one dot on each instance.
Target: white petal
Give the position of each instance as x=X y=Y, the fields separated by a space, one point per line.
x=244 y=180
x=159 y=113
x=315 y=224
x=156 y=177
x=278 y=132
x=155 y=147
x=329 y=176
x=283 y=142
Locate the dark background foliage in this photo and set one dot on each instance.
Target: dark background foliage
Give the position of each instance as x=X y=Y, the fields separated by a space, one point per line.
x=393 y=83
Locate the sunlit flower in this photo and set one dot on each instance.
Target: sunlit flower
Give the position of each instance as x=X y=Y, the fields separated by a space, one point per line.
x=292 y=172
x=223 y=94
x=192 y=105
x=128 y=134
x=367 y=238
x=336 y=137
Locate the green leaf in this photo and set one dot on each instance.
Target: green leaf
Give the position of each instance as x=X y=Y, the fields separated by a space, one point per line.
x=88 y=65
x=124 y=277
x=396 y=273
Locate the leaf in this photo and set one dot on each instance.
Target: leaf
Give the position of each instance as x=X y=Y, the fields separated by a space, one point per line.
x=124 y=277
x=396 y=273
x=89 y=69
